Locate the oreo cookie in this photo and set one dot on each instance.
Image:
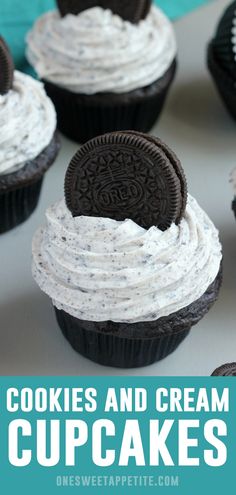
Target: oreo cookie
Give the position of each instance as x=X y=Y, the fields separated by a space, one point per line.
x=6 y=68
x=129 y=11
x=228 y=369
x=127 y=175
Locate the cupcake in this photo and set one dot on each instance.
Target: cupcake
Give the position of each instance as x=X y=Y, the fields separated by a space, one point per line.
x=130 y=261
x=222 y=58
x=228 y=369
x=28 y=142
x=102 y=71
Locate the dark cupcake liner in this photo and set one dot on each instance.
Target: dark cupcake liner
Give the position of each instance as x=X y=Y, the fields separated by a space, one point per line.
x=225 y=24
x=82 y=117
x=17 y=205
x=224 y=82
x=20 y=191
x=222 y=42
x=118 y=352
x=137 y=344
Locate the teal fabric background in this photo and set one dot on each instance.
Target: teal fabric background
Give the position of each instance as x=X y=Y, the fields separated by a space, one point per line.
x=17 y=16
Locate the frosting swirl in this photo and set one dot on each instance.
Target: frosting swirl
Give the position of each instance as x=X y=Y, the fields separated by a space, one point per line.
x=100 y=269
x=97 y=51
x=27 y=121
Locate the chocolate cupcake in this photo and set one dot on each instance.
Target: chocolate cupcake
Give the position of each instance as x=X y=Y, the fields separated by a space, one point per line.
x=130 y=261
x=28 y=142
x=222 y=58
x=102 y=72
x=228 y=369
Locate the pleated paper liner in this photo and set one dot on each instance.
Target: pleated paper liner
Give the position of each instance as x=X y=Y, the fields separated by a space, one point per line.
x=227 y=16
x=20 y=191
x=135 y=345
x=227 y=20
x=17 y=205
x=225 y=53
x=82 y=117
x=224 y=82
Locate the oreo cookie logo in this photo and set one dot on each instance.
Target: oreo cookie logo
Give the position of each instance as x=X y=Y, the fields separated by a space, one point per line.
x=119 y=194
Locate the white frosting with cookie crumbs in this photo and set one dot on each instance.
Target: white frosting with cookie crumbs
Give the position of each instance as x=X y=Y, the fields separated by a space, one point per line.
x=100 y=269
x=27 y=122
x=97 y=51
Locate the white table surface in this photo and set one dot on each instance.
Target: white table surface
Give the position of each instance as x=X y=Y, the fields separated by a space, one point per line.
x=196 y=126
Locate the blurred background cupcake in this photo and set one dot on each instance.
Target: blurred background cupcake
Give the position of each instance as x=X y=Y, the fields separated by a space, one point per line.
x=222 y=58
x=103 y=72
x=28 y=141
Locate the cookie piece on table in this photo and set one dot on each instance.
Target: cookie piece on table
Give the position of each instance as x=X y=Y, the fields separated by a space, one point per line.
x=228 y=369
